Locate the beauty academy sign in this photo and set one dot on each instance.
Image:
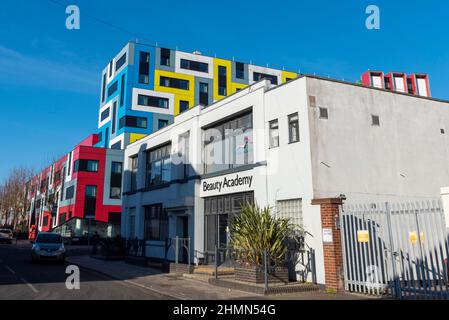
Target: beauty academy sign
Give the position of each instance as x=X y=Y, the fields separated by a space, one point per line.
x=231 y=183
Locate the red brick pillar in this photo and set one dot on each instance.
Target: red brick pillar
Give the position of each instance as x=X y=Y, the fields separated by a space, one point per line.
x=332 y=249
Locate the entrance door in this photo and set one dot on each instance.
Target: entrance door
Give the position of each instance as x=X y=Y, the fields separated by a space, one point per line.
x=182 y=231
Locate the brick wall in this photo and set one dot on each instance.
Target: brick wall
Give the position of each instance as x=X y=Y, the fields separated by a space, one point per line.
x=333 y=255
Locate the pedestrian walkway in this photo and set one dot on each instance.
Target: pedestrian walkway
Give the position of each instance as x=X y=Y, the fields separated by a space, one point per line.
x=181 y=287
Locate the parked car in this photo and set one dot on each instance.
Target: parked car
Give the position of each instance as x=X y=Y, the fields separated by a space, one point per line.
x=48 y=246
x=6 y=236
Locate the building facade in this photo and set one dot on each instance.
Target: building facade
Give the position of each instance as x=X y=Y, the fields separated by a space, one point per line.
x=144 y=87
x=78 y=194
x=282 y=147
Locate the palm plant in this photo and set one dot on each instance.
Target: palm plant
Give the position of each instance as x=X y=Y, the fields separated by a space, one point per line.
x=256 y=230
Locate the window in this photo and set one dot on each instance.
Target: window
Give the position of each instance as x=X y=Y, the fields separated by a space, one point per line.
x=117 y=145
x=134 y=122
x=134 y=161
x=144 y=68
x=162 y=123
x=293 y=128
x=120 y=62
x=45 y=221
x=116 y=180
x=112 y=89
x=69 y=170
x=204 y=93
x=323 y=113
x=156 y=223
x=90 y=201
x=114 y=117
x=183 y=153
x=158 y=166
x=194 y=65
x=149 y=101
x=103 y=88
x=442 y=131
x=174 y=83
x=222 y=81
x=69 y=192
x=106 y=138
x=258 y=76
x=82 y=165
x=110 y=69
x=105 y=114
x=375 y=121
x=291 y=209
x=387 y=83
x=274 y=134
x=409 y=86
x=122 y=91
x=183 y=105
x=165 y=57
x=239 y=70
x=229 y=144
x=132 y=223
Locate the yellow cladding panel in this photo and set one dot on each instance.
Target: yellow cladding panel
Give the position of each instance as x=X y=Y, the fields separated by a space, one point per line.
x=180 y=94
x=133 y=137
x=179 y=97
x=288 y=75
x=237 y=86
x=228 y=65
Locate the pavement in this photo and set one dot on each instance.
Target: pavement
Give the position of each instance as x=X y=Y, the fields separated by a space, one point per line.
x=113 y=280
x=188 y=287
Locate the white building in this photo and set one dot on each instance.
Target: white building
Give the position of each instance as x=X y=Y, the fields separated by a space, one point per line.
x=307 y=139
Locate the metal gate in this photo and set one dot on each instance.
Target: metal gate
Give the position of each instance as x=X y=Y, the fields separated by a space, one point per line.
x=396 y=249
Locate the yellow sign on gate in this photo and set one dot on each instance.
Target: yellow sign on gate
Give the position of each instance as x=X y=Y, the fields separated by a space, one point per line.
x=413 y=237
x=363 y=236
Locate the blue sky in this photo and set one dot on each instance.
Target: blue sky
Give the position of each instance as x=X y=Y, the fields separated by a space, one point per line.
x=50 y=76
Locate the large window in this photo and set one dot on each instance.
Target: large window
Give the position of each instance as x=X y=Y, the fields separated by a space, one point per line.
x=120 y=62
x=122 y=91
x=239 y=70
x=149 y=101
x=194 y=65
x=204 y=93
x=290 y=209
x=114 y=117
x=116 y=180
x=85 y=165
x=105 y=114
x=134 y=161
x=103 y=88
x=222 y=81
x=134 y=122
x=162 y=123
x=158 y=166
x=293 y=128
x=112 y=89
x=174 y=83
x=165 y=57
x=144 y=68
x=90 y=201
x=274 y=133
x=258 y=76
x=183 y=105
x=69 y=193
x=229 y=144
x=156 y=223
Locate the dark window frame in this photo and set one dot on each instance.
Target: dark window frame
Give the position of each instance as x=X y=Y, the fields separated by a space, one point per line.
x=293 y=124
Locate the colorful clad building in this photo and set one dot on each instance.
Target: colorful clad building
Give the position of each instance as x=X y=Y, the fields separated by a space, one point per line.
x=78 y=194
x=144 y=87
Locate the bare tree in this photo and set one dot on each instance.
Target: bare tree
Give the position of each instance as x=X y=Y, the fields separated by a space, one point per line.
x=12 y=196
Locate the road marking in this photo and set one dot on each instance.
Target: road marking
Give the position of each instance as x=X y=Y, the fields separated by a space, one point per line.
x=10 y=270
x=29 y=285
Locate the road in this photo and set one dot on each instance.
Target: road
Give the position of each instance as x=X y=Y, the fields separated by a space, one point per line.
x=20 y=279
